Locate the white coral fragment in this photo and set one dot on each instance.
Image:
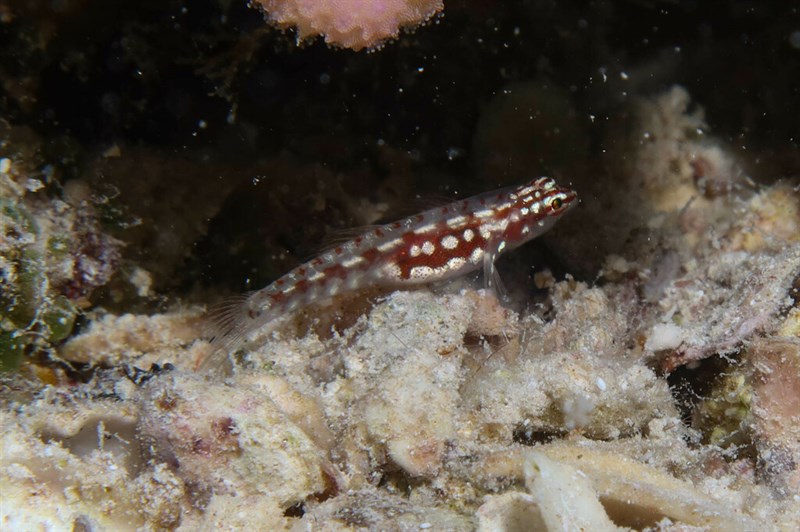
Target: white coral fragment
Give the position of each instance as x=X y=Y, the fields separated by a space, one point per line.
x=411 y=411
x=631 y=492
x=137 y=338
x=565 y=496
x=232 y=440
x=664 y=336
x=560 y=497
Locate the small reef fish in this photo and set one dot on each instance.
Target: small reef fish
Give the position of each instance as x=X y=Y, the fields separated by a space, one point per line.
x=434 y=245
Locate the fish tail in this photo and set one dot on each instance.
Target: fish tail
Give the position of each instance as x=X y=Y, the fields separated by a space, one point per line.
x=228 y=323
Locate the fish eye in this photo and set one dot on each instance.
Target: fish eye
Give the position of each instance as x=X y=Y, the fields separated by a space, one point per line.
x=556 y=203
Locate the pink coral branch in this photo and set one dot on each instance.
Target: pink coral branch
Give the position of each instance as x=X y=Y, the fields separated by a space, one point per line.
x=354 y=24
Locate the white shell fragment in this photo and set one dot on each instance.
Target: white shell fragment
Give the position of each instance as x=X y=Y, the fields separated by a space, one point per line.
x=565 y=495
x=630 y=491
x=560 y=497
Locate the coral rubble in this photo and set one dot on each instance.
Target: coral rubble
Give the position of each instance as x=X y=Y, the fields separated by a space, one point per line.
x=53 y=254
x=437 y=407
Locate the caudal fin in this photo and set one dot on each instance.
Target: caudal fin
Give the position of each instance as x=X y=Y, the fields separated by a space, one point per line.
x=228 y=323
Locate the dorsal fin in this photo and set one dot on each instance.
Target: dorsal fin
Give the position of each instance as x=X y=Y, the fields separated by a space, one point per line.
x=419 y=205
x=343 y=236
x=428 y=202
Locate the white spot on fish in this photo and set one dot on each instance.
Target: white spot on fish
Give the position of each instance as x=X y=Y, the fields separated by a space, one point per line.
x=456 y=222
x=449 y=242
x=425 y=229
x=391 y=244
x=393 y=271
x=456 y=263
x=476 y=255
x=421 y=272
x=352 y=261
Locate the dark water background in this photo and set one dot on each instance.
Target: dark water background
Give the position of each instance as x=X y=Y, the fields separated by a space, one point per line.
x=209 y=84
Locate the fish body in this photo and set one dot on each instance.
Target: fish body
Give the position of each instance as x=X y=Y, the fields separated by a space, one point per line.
x=433 y=245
